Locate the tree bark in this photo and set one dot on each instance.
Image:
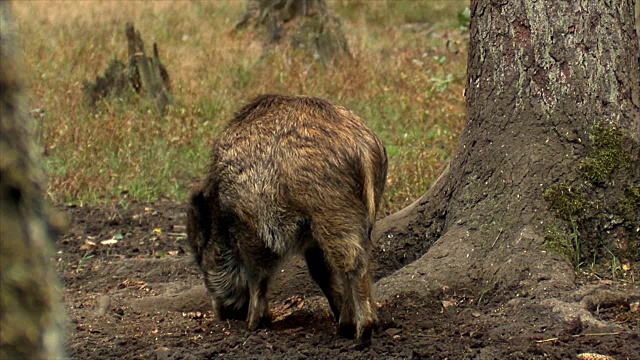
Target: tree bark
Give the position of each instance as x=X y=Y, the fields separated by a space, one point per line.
x=31 y=313
x=549 y=153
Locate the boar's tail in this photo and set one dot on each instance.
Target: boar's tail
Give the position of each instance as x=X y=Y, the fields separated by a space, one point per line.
x=375 y=175
x=199 y=224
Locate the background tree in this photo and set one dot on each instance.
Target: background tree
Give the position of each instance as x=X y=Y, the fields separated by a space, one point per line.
x=31 y=313
x=306 y=25
x=547 y=173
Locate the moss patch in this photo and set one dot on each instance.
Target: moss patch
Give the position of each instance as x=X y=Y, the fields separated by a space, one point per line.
x=605 y=154
x=598 y=211
x=558 y=242
x=565 y=201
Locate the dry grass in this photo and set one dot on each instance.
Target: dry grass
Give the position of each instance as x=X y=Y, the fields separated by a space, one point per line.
x=406 y=83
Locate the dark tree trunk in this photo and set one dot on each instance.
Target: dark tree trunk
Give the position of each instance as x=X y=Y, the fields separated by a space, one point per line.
x=547 y=173
x=306 y=25
x=31 y=313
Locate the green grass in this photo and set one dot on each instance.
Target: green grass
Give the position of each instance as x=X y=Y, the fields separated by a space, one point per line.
x=407 y=84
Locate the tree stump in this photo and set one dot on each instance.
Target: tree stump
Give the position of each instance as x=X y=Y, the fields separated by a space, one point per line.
x=306 y=25
x=142 y=75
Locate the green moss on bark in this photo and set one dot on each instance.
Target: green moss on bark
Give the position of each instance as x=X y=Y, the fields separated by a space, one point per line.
x=606 y=154
x=599 y=211
x=557 y=241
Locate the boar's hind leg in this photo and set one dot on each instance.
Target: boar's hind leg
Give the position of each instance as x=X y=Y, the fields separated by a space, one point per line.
x=347 y=252
x=325 y=278
x=258 y=304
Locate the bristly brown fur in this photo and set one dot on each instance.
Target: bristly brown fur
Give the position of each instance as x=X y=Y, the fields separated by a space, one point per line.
x=265 y=102
x=290 y=174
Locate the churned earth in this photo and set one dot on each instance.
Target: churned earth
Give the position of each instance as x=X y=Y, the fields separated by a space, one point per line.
x=133 y=292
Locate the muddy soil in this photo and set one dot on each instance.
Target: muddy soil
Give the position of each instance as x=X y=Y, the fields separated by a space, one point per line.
x=133 y=292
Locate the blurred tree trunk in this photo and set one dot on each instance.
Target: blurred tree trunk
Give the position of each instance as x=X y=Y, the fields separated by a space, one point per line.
x=306 y=25
x=31 y=313
x=546 y=176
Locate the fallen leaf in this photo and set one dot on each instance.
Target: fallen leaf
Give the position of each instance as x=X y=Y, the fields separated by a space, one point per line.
x=593 y=356
x=88 y=245
x=283 y=311
x=391 y=332
x=128 y=283
x=446 y=303
x=157 y=230
x=109 y=242
x=634 y=306
x=291 y=331
x=193 y=315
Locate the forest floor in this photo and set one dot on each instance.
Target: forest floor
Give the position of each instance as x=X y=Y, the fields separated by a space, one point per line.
x=132 y=291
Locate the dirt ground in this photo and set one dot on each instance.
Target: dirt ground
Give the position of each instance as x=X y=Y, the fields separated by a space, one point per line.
x=133 y=292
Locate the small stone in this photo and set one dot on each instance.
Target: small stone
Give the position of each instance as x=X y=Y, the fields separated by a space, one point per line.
x=162 y=353
x=103 y=304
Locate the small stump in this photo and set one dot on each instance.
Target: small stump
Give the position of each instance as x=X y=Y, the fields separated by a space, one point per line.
x=143 y=75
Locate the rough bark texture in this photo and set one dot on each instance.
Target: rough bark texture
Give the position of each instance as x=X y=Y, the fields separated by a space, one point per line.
x=306 y=25
x=548 y=155
x=31 y=314
x=144 y=74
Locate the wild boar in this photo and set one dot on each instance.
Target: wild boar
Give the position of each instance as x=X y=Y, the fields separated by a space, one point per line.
x=290 y=175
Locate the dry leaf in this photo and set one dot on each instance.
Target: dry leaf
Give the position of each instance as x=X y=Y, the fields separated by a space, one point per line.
x=291 y=331
x=193 y=315
x=283 y=311
x=128 y=283
x=109 y=242
x=593 y=356
x=446 y=303
x=626 y=265
x=88 y=245
x=391 y=332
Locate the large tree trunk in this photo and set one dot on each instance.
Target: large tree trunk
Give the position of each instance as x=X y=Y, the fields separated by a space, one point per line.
x=546 y=175
x=31 y=313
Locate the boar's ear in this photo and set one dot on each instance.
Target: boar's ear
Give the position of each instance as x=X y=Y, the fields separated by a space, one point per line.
x=198 y=224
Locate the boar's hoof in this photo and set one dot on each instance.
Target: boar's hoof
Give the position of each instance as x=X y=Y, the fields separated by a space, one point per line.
x=350 y=331
x=347 y=330
x=263 y=322
x=231 y=312
x=365 y=337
